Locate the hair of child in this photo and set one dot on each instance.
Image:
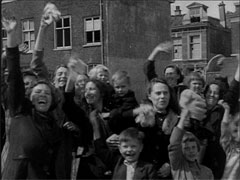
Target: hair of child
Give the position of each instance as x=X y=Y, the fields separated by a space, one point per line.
x=194 y=76
x=131 y=133
x=94 y=71
x=190 y=137
x=121 y=75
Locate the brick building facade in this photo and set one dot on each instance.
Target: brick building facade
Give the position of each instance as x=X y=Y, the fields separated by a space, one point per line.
x=119 y=34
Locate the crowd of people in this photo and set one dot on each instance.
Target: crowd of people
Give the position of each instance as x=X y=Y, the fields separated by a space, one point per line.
x=82 y=125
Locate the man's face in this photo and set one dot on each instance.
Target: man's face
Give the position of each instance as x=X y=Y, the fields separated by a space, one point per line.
x=130 y=150
x=171 y=76
x=190 y=150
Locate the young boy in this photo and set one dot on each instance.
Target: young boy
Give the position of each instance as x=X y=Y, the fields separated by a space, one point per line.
x=124 y=101
x=230 y=141
x=183 y=154
x=128 y=165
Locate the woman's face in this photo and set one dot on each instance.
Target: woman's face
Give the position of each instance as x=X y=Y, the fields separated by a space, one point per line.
x=160 y=96
x=92 y=93
x=212 y=95
x=61 y=77
x=41 y=97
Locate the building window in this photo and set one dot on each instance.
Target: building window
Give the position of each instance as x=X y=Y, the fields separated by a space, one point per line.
x=92 y=30
x=62 y=35
x=28 y=35
x=177 y=48
x=195 y=15
x=194 y=47
x=4 y=38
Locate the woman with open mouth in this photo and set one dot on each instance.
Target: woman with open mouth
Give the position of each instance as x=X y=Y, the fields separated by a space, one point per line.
x=35 y=136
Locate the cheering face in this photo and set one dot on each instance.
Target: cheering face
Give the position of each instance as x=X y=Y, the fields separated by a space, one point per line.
x=212 y=95
x=171 y=76
x=190 y=150
x=121 y=87
x=61 y=77
x=160 y=96
x=196 y=86
x=130 y=150
x=103 y=76
x=92 y=93
x=41 y=97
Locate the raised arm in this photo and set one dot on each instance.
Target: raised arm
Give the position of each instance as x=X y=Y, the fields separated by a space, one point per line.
x=37 y=64
x=225 y=133
x=175 y=147
x=15 y=82
x=149 y=65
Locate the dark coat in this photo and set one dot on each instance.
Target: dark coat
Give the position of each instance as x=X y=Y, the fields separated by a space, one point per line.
x=34 y=137
x=121 y=115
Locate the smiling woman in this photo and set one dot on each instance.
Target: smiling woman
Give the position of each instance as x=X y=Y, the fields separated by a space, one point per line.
x=35 y=136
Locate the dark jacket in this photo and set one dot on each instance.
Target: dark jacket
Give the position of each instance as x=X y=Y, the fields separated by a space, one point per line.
x=35 y=137
x=121 y=115
x=115 y=162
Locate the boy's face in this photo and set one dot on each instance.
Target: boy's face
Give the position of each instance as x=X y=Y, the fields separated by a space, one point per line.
x=103 y=76
x=121 y=87
x=190 y=150
x=235 y=128
x=130 y=150
x=196 y=86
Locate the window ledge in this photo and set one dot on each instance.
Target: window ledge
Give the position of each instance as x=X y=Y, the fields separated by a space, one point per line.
x=92 y=44
x=62 y=48
x=177 y=60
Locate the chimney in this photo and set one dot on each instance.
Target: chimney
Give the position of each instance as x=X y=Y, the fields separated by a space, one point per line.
x=222 y=14
x=177 y=11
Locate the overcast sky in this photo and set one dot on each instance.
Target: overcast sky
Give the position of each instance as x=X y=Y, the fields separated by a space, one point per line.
x=212 y=6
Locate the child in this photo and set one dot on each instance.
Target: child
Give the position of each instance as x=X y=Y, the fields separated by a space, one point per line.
x=100 y=72
x=128 y=165
x=183 y=154
x=124 y=101
x=194 y=124
x=230 y=141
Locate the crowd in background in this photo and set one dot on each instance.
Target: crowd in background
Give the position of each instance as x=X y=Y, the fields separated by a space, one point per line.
x=82 y=125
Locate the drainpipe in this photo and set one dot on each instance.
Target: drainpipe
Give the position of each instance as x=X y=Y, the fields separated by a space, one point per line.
x=102 y=33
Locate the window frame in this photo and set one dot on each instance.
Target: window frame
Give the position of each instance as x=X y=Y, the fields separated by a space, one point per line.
x=63 y=28
x=190 y=54
x=94 y=43
x=29 y=32
x=177 y=45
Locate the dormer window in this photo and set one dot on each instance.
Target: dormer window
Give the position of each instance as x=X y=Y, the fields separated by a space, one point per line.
x=195 y=15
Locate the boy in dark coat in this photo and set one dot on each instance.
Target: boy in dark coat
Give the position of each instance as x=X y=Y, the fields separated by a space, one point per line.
x=128 y=165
